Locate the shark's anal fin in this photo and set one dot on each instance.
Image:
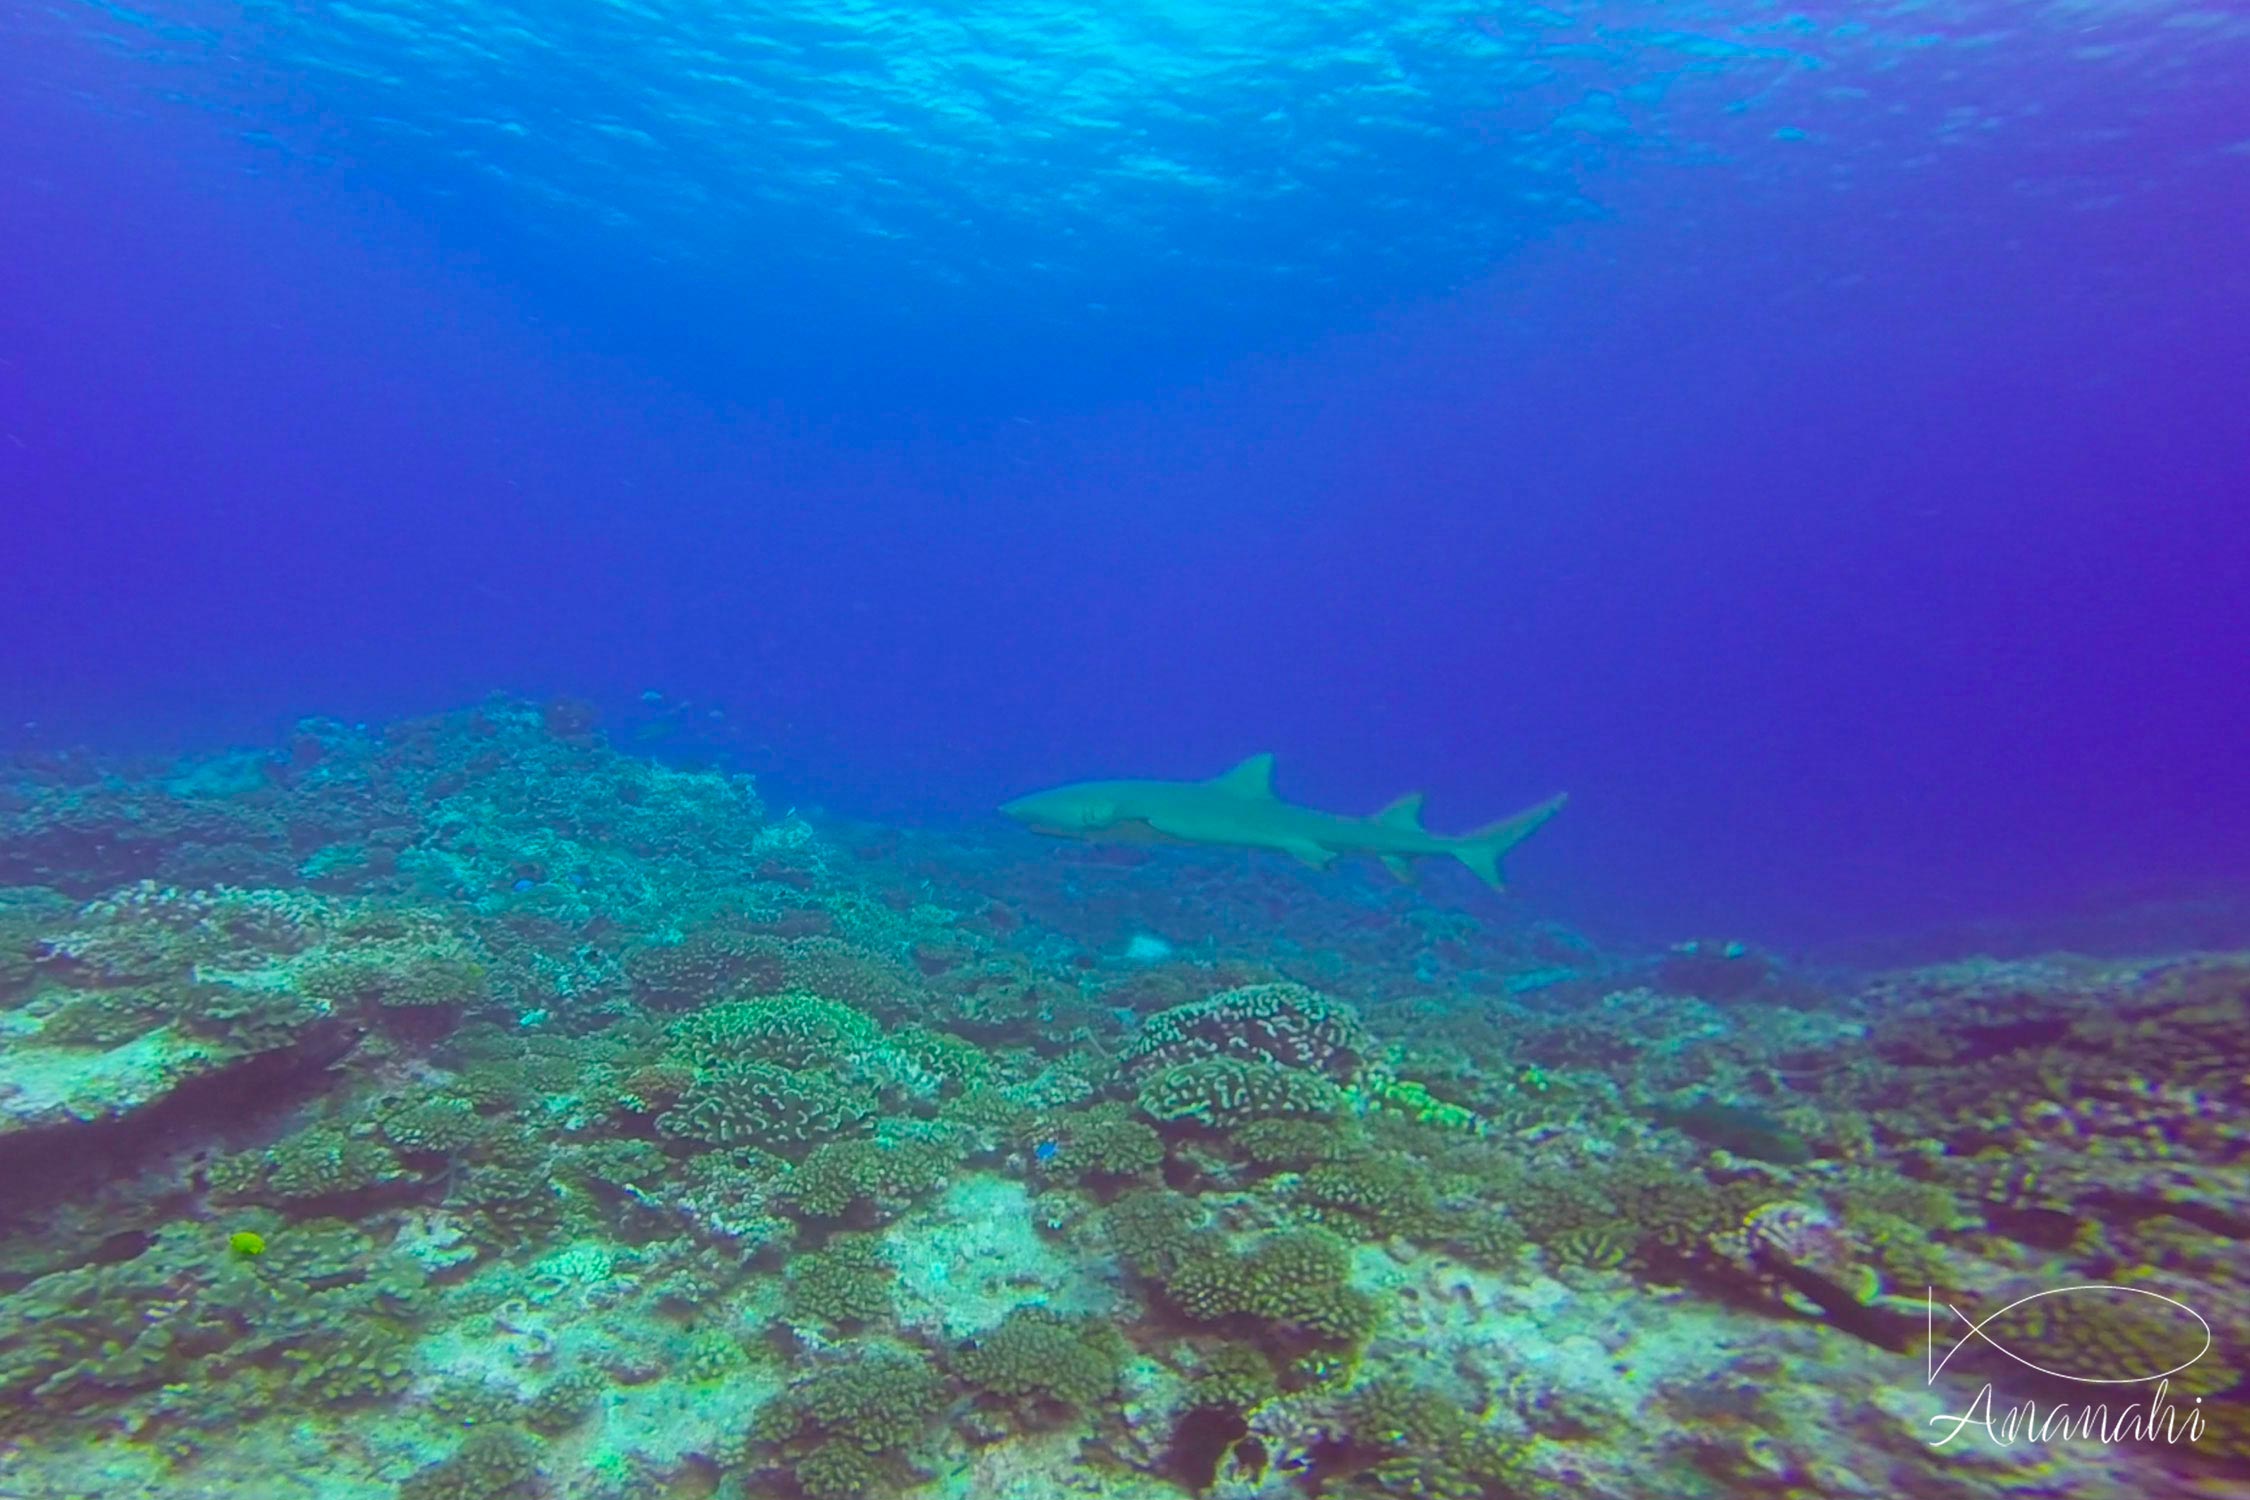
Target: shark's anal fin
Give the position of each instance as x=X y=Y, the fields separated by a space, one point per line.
x=1252 y=778
x=1406 y=812
x=1308 y=853
x=1401 y=867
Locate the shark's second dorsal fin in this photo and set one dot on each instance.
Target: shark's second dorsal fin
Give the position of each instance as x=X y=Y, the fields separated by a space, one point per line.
x=1406 y=812
x=1253 y=778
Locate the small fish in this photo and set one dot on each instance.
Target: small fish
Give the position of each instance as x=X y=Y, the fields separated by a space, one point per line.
x=521 y=886
x=247 y=1244
x=1045 y=1150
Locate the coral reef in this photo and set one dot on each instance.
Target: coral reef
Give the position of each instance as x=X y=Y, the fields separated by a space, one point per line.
x=467 y=1110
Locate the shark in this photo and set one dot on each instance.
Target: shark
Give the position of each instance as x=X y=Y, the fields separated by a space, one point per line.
x=1238 y=810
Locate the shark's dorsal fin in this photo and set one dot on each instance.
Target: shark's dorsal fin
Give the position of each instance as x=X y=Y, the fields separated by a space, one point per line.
x=1253 y=778
x=1406 y=812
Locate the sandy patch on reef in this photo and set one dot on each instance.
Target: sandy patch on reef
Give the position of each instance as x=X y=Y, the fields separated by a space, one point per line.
x=974 y=1254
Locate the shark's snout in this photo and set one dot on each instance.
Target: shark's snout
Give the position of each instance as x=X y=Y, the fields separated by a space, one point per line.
x=1059 y=812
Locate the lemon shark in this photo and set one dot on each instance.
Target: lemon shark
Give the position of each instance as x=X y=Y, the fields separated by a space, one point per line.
x=1238 y=810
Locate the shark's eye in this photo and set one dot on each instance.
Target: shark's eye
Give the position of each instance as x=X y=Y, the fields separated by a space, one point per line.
x=1098 y=814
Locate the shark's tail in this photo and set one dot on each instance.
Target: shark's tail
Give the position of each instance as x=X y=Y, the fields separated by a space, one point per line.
x=1481 y=849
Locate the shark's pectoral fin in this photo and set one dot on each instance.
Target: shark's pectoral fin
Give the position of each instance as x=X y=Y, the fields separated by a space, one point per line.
x=1401 y=867
x=1306 y=852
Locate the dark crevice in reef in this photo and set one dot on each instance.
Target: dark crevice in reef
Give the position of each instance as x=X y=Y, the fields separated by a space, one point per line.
x=1200 y=1443
x=42 y=1166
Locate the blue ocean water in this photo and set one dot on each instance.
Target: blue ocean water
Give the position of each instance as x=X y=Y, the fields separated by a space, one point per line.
x=1811 y=436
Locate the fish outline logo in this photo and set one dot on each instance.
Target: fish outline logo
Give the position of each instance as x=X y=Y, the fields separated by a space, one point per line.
x=1976 y=1330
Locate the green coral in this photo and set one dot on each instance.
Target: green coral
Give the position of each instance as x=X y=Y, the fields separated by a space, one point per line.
x=1413 y=1099
x=1382 y=1195
x=1295 y=1279
x=846 y=1429
x=847 y=1283
x=711 y=1356
x=795 y=1031
x=883 y=1174
x=564 y=1402
x=838 y=1470
x=308 y=1318
x=1041 y=1363
x=439 y=1125
x=17 y=969
x=1285 y=1142
x=1425 y=1446
x=699 y=966
x=1643 y=1208
x=321 y=1161
x=879 y=1402
x=492 y=1464
x=1103 y=1142
x=368 y=1363
x=108 y=1018
x=395 y=979
x=1235 y=1377
x=1597 y=1247
x=2115 y=1337
x=1224 y=1090
x=956 y=1064
x=1152 y=1230
x=465 y=1401
x=619 y=1169
x=770 y=1106
x=1282 y=1023
x=510 y=1192
x=1488 y=1237
x=986 y=1110
x=1874 y=1190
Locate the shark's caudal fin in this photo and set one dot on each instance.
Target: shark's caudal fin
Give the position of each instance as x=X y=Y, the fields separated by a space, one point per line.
x=1481 y=850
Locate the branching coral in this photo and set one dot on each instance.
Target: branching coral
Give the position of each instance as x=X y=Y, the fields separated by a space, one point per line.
x=1042 y=1364
x=1295 y=1280
x=700 y=967
x=322 y=1161
x=1277 y=1141
x=1424 y=1446
x=768 y=1106
x=1381 y=1195
x=1101 y=1142
x=1153 y=1230
x=1227 y=1090
x=881 y=1174
x=795 y=1031
x=846 y=1283
x=848 y=1426
x=491 y=1464
x=1282 y=1023
x=436 y=1125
